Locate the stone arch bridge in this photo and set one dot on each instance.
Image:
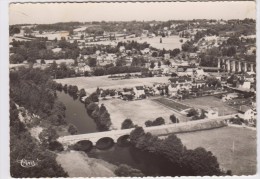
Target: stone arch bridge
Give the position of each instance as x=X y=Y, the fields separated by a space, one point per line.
x=115 y=135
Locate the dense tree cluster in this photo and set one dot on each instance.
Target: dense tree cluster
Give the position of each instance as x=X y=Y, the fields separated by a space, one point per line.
x=157 y=122
x=60 y=26
x=176 y=156
x=124 y=170
x=37 y=49
x=32 y=89
x=100 y=115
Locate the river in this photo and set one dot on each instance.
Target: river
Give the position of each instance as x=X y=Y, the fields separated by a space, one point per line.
x=77 y=115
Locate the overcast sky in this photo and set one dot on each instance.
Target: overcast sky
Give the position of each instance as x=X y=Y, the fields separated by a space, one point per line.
x=83 y=12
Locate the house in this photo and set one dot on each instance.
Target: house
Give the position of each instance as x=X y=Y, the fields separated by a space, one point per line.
x=249 y=76
x=244 y=85
x=247 y=113
x=122 y=49
x=145 y=51
x=229 y=96
x=166 y=56
x=211 y=113
x=82 y=69
x=199 y=83
x=173 y=89
x=56 y=50
x=199 y=73
x=139 y=91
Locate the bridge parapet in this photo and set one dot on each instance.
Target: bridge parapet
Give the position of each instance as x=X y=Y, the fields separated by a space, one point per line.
x=155 y=130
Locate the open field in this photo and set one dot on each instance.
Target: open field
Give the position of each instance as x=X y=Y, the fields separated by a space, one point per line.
x=90 y=84
x=85 y=166
x=210 y=101
x=220 y=142
x=138 y=111
x=168 y=43
x=172 y=104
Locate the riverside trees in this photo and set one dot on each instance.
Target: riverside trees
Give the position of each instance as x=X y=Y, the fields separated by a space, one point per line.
x=197 y=162
x=32 y=89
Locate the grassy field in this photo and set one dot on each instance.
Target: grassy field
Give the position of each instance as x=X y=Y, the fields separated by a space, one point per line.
x=138 y=111
x=172 y=104
x=220 y=142
x=90 y=84
x=168 y=43
x=210 y=101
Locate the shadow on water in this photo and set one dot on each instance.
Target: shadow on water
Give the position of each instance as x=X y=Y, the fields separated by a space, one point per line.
x=76 y=114
x=120 y=153
x=105 y=143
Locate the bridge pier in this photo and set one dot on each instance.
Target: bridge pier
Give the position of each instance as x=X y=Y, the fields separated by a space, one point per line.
x=228 y=65
x=233 y=66
x=219 y=63
x=245 y=67
x=252 y=67
x=239 y=66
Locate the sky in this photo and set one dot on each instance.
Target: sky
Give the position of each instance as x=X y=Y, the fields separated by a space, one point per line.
x=83 y=12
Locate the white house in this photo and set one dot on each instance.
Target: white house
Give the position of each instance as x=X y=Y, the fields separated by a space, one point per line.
x=173 y=89
x=211 y=113
x=248 y=113
x=145 y=51
x=122 y=48
x=229 y=96
x=139 y=90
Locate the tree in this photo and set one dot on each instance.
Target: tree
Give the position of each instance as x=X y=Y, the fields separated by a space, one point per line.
x=174 y=119
x=202 y=162
x=91 y=107
x=43 y=61
x=192 y=112
x=154 y=54
x=126 y=171
x=72 y=129
x=159 y=64
x=152 y=65
x=48 y=135
x=92 y=62
x=127 y=124
x=16 y=58
x=99 y=71
x=159 y=121
x=136 y=134
x=231 y=51
x=82 y=92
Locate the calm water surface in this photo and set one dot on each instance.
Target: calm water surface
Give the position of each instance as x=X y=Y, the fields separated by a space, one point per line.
x=76 y=114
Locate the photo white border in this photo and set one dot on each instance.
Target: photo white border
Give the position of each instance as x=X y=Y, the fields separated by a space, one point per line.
x=4 y=79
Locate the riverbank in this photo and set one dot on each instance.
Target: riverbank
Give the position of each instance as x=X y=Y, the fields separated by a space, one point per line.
x=78 y=164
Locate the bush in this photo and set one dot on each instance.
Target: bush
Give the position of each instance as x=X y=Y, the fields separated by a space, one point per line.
x=56 y=146
x=192 y=112
x=174 y=119
x=72 y=129
x=127 y=124
x=157 y=122
x=238 y=121
x=127 y=171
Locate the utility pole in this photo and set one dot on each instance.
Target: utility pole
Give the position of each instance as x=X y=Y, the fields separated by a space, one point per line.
x=233 y=147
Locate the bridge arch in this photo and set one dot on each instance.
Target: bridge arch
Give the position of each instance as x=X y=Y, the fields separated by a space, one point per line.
x=105 y=143
x=123 y=140
x=83 y=145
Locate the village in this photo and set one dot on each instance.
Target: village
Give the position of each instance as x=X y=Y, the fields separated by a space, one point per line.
x=140 y=66
x=132 y=89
